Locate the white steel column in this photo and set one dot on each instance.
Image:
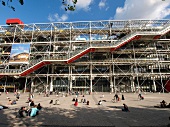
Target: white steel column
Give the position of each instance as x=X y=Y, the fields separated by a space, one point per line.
x=5 y=85
x=132 y=84
x=111 y=80
x=113 y=76
x=70 y=78
x=90 y=35
x=46 y=87
x=25 y=88
x=32 y=84
x=132 y=80
x=52 y=79
x=91 y=79
x=154 y=84
x=114 y=80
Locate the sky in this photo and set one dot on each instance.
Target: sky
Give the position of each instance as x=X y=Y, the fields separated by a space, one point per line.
x=46 y=11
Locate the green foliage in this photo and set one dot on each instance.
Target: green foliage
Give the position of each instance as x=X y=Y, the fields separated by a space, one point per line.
x=6 y=3
x=21 y=2
x=3 y=3
x=68 y=6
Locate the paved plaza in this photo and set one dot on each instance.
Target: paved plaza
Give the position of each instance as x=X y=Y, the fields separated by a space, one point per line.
x=142 y=112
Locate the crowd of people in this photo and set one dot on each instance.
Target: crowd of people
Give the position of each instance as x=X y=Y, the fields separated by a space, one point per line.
x=32 y=109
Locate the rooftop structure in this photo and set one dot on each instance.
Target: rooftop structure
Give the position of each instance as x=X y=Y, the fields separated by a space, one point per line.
x=105 y=56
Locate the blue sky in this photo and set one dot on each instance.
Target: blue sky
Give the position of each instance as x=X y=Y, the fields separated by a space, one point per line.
x=45 y=11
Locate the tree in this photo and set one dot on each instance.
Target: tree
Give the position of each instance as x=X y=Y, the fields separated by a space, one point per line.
x=68 y=6
x=7 y=3
x=64 y=2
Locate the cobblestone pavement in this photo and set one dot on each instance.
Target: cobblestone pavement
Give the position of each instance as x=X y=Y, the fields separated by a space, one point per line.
x=142 y=112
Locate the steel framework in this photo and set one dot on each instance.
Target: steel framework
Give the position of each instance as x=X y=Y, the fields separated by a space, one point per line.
x=88 y=56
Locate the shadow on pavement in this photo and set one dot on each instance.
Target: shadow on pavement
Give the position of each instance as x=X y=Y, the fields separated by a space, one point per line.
x=86 y=116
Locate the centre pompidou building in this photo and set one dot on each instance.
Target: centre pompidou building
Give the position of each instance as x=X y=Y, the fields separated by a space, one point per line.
x=87 y=56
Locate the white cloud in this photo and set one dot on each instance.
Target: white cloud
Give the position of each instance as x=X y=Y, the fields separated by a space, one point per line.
x=102 y=4
x=50 y=18
x=143 y=9
x=58 y=18
x=80 y=5
x=64 y=17
x=84 y=4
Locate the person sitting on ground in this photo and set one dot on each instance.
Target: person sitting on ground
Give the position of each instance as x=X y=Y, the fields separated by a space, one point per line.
x=34 y=111
x=51 y=102
x=31 y=104
x=125 y=108
x=168 y=106
x=17 y=95
x=123 y=98
x=29 y=100
x=9 y=102
x=88 y=102
x=163 y=104
x=84 y=101
x=100 y=102
x=74 y=99
x=3 y=107
x=39 y=107
x=140 y=96
x=31 y=96
x=22 y=112
x=76 y=102
x=57 y=102
x=28 y=112
x=12 y=102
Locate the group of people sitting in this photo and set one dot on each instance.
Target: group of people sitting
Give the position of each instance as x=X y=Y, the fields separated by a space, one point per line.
x=83 y=100
x=116 y=98
x=33 y=111
x=13 y=102
x=56 y=102
x=163 y=104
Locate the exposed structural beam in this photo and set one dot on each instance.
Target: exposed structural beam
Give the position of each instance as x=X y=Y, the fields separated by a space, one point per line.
x=131 y=38
x=112 y=56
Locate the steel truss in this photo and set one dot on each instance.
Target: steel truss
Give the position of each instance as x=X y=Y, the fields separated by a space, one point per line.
x=105 y=56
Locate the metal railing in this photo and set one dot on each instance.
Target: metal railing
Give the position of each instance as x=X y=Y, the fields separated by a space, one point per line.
x=73 y=53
